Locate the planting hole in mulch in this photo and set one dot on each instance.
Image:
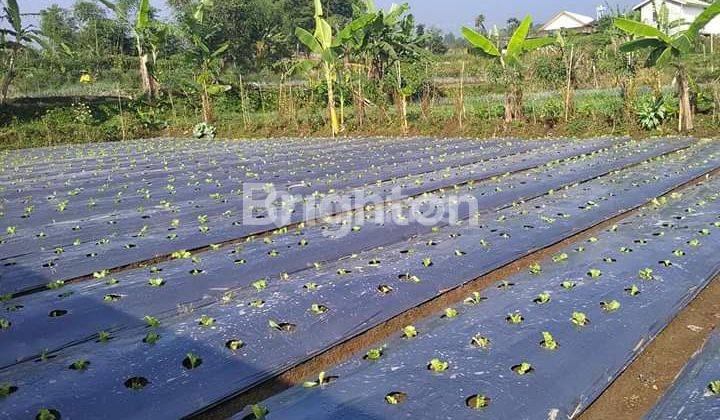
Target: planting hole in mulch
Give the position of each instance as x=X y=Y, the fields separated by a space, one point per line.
x=136 y=383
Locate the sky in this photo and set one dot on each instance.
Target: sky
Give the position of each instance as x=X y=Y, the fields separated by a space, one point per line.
x=448 y=15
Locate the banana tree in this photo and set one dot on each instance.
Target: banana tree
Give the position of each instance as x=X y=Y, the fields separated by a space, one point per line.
x=510 y=61
x=321 y=43
x=143 y=24
x=13 y=40
x=205 y=57
x=670 y=50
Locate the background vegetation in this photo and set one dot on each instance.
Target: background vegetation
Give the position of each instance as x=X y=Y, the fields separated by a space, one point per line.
x=111 y=70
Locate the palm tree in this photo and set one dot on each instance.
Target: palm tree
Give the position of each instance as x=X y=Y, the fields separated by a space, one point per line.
x=20 y=35
x=510 y=60
x=670 y=50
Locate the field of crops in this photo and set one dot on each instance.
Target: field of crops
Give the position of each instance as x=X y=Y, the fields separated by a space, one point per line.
x=501 y=278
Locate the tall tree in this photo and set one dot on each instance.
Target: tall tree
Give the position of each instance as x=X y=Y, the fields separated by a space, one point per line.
x=510 y=61
x=480 y=24
x=670 y=50
x=13 y=40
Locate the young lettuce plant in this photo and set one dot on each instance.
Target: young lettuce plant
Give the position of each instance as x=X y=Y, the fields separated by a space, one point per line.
x=437 y=365
x=321 y=382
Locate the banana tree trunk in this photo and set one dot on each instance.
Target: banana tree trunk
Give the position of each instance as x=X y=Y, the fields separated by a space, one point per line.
x=331 y=100
x=513 y=104
x=685 y=114
x=149 y=84
x=8 y=78
x=208 y=116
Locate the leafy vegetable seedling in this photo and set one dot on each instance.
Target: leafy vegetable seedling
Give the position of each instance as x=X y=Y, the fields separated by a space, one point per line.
x=136 y=383
x=47 y=414
x=259 y=284
x=477 y=402
x=395 y=398
x=473 y=299
x=384 y=289
x=318 y=309
x=535 y=268
x=480 y=342
x=542 y=298
x=191 y=361
x=437 y=365
x=580 y=319
x=610 y=306
x=450 y=313
x=714 y=387
x=409 y=331
x=548 y=341
x=633 y=290
x=4 y=324
x=523 y=368
x=79 y=365
x=568 y=285
x=515 y=318
x=646 y=274
x=374 y=354
x=560 y=257
x=6 y=389
x=234 y=345
x=151 y=321
x=151 y=338
x=594 y=273
x=281 y=326
x=321 y=382
x=206 y=321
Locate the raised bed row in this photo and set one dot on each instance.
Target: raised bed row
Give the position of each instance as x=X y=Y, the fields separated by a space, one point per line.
x=544 y=343
x=695 y=394
x=211 y=353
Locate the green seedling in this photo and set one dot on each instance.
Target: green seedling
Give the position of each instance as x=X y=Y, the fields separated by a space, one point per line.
x=103 y=337
x=80 y=365
x=633 y=290
x=384 y=289
x=4 y=324
x=235 y=345
x=206 y=321
x=55 y=284
x=646 y=274
x=151 y=321
x=515 y=318
x=409 y=331
x=535 y=268
x=477 y=402
x=181 y=255
x=542 y=298
x=156 y=282
x=6 y=388
x=191 y=361
x=318 y=309
x=437 y=365
x=523 y=368
x=374 y=354
x=580 y=319
x=568 y=285
x=259 y=284
x=474 y=299
x=714 y=387
x=594 y=273
x=548 y=341
x=479 y=341
x=450 y=313
x=560 y=257
x=610 y=306
x=395 y=398
x=321 y=382
x=151 y=338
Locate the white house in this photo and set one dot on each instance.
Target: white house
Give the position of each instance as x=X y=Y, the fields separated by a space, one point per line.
x=567 y=20
x=684 y=10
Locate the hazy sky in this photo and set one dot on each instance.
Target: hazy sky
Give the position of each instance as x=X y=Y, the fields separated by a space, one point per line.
x=448 y=14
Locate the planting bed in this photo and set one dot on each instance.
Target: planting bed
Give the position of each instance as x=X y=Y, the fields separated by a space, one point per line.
x=696 y=392
x=177 y=326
